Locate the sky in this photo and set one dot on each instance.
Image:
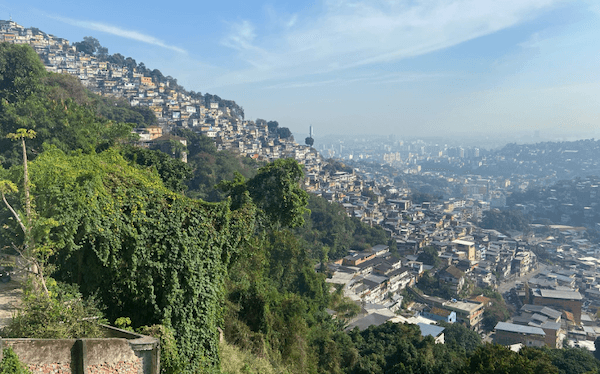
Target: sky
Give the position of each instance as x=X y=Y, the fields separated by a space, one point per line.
x=409 y=68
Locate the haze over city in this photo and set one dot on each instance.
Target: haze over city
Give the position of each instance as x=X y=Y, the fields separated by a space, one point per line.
x=410 y=68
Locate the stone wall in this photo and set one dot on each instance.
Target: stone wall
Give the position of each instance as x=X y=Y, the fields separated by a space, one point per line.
x=122 y=352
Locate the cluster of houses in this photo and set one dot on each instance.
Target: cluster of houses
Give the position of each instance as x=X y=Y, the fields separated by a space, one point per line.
x=172 y=106
x=555 y=303
x=551 y=303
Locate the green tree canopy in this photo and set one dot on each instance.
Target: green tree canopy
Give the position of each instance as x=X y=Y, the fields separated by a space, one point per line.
x=276 y=192
x=21 y=71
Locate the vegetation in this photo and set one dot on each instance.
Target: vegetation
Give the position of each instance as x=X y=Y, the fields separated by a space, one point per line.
x=114 y=229
x=505 y=220
x=330 y=233
x=171 y=362
x=430 y=285
x=152 y=255
x=10 y=363
x=239 y=361
x=497 y=312
x=209 y=166
x=65 y=314
x=429 y=256
x=32 y=99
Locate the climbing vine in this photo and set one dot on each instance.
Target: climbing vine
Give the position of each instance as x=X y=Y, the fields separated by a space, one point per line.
x=150 y=254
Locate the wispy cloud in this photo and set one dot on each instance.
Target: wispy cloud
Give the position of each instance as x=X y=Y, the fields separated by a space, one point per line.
x=352 y=33
x=118 y=31
x=534 y=41
x=375 y=78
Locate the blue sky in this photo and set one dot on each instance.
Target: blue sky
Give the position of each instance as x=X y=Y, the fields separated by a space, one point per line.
x=410 y=68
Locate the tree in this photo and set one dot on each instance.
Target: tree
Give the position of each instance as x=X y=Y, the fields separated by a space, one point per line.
x=460 y=338
x=271 y=125
x=130 y=63
x=284 y=132
x=173 y=172
x=30 y=253
x=496 y=359
x=276 y=192
x=89 y=45
x=65 y=314
x=309 y=141
x=48 y=104
x=21 y=71
x=429 y=256
x=117 y=59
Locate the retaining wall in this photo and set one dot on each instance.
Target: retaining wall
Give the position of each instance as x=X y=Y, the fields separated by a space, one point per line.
x=122 y=352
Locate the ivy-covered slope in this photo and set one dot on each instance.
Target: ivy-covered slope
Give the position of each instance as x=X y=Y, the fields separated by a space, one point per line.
x=150 y=254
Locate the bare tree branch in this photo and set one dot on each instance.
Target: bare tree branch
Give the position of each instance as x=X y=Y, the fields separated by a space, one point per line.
x=14 y=214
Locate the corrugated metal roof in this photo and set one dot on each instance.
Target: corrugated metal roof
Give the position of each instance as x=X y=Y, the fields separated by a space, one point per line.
x=520 y=329
x=566 y=295
x=432 y=330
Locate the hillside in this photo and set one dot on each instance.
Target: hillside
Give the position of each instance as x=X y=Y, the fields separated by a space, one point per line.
x=113 y=236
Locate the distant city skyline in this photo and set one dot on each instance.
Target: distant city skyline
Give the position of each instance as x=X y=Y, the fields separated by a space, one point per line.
x=409 y=68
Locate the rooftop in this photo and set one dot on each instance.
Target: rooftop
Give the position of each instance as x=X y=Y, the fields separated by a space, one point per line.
x=463 y=306
x=519 y=329
x=554 y=294
x=432 y=330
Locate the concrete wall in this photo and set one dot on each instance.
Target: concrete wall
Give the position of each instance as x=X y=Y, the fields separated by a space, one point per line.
x=509 y=338
x=123 y=353
x=573 y=306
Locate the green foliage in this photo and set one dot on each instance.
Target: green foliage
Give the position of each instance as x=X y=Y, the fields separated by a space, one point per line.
x=431 y=286
x=65 y=314
x=496 y=359
x=173 y=172
x=284 y=132
x=460 y=338
x=497 y=312
x=329 y=231
x=276 y=192
x=429 y=256
x=88 y=45
x=271 y=125
x=62 y=87
x=123 y=323
x=573 y=360
x=170 y=360
x=276 y=301
x=505 y=220
x=10 y=363
x=399 y=348
x=238 y=361
x=151 y=254
x=119 y=110
x=597 y=346
x=335 y=165
x=21 y=71
x=52 y=105
x=344 y=306
x=210 y=166
x=419 y=197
